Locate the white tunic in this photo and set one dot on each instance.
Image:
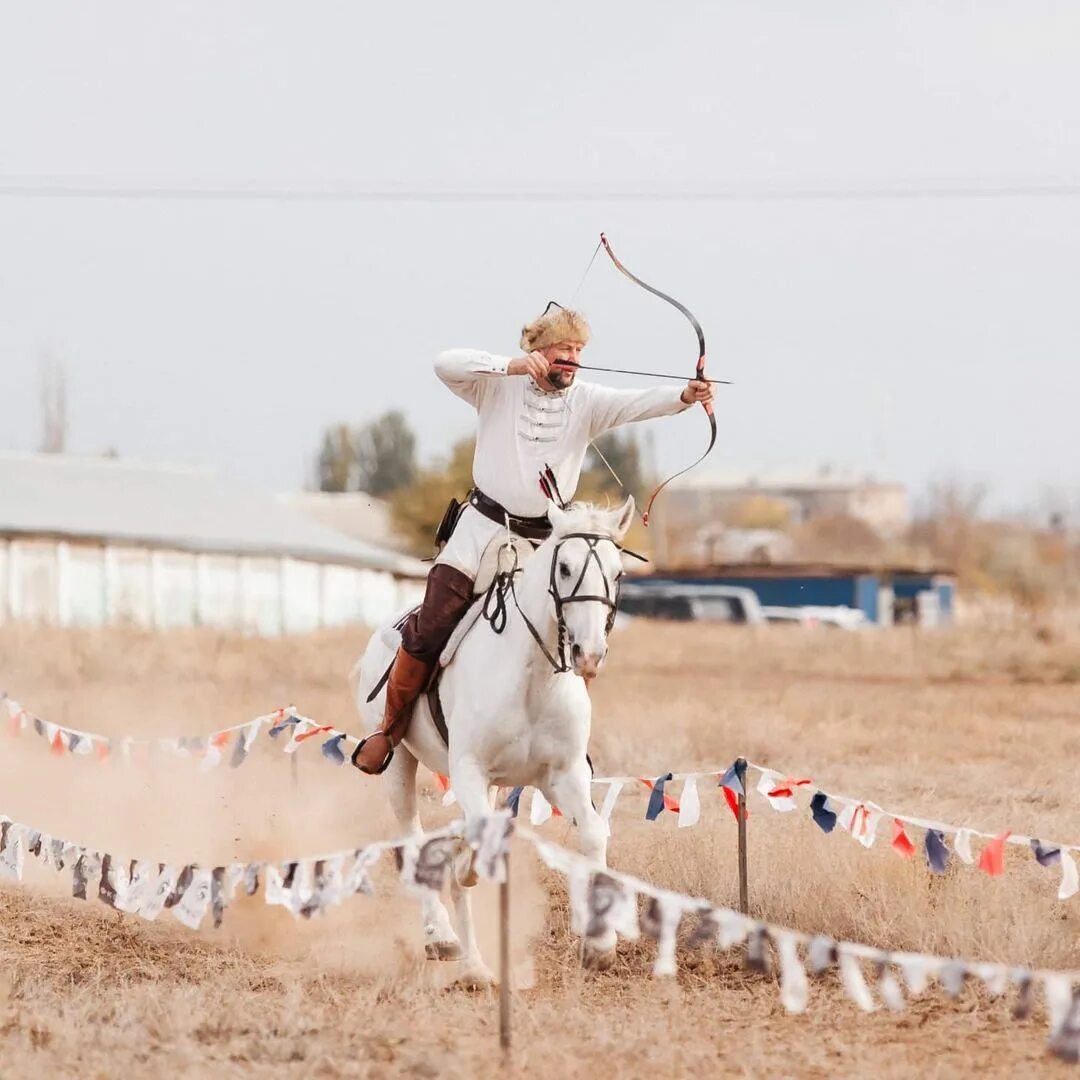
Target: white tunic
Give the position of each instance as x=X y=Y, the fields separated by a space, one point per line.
x=521 y=429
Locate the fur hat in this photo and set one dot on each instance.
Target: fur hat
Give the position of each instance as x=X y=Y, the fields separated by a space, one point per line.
x=557 y=324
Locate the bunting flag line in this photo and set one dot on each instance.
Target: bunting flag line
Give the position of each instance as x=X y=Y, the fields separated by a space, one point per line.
x=858 y=817
x=307 y=886
x=603 y=899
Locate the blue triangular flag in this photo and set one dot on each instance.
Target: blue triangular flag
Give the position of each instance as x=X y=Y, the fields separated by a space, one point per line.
x=824 y=818
x=1045 y=856
x=513 y=799
x=937 y=854
x=331 y=749
x=282 y=724
x=73 y=740
x=733 y=779
x=239 y=752
x=656 y=799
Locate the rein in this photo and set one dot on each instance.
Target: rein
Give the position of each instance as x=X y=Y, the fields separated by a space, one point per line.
x=494 y=611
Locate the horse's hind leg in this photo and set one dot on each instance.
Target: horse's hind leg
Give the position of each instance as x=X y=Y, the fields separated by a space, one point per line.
x=440 y=941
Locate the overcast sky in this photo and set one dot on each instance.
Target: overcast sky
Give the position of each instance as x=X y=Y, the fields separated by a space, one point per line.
x=912 y=337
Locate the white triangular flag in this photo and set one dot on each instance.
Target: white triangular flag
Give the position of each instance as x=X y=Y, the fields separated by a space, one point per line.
x=861 y=822
x=995 y=978
x=449 y=798
x=669 y=908
x=274 y=889
x=689 y=803
x=157 y=893
x=130 y=897
x=889 y=989
x=962 y=846
x=609 y=800
x=769 y=782
x=733 y=928
x=234 y=875
x=854 y=984
x=357 y=877
x=195 y=901
x=540 y=808
x=1069 y=881
x=916 y=970
x=794 y=988
x=301 y=726
x=11 y=855
x=1058 y=992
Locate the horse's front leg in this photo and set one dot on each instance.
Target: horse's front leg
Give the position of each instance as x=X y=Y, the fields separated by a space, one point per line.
x=471 y=786
x=440 y=941
x=571 y=792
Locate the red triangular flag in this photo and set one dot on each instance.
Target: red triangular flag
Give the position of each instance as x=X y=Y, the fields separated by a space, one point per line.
x=900 y=841
x=15 y=723
x=221 y=739
x=733 y=803
x=57 y=744
x=313 y=732
x=102 y=748
x=443 y=782
x=992 y=859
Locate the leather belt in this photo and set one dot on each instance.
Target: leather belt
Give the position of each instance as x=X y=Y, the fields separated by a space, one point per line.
x=530 y=528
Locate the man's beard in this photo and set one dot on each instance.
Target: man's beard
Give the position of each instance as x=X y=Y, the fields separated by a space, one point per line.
x=560 y=378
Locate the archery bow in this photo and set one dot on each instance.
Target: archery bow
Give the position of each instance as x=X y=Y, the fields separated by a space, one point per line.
x=699 y=373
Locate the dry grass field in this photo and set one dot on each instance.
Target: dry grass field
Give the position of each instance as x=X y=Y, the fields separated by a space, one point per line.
x=973 y=727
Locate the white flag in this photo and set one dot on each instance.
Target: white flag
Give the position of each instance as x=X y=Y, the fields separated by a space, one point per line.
x=794 y=989
x=689 y=803
x=1069 y=882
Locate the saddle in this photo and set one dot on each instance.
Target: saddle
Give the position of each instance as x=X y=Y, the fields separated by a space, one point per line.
x=503 y=554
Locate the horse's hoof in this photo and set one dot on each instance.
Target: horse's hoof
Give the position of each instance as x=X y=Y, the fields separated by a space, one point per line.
x=474 y=981
x=597 y=959
x=442 y=950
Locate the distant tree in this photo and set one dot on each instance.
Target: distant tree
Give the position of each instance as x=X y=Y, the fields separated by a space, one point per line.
x=416 y=510
x=53 y=386
x=378 y=457
x=336 y=465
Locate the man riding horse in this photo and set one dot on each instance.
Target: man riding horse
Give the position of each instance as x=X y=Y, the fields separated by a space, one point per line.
x=535 y=424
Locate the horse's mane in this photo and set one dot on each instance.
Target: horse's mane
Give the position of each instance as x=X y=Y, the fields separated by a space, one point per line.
x=587 y=517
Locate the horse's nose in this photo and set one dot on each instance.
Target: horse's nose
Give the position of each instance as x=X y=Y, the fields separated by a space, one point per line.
x=586 y=664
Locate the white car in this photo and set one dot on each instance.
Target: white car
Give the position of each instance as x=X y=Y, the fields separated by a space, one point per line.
x=840 y=617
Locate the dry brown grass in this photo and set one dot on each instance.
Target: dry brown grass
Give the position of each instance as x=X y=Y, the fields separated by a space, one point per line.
x=973 y=727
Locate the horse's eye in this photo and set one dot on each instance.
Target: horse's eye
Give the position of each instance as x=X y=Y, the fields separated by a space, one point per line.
x=564 y=570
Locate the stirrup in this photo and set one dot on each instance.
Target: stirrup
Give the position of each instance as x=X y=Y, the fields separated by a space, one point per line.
x=385 y=762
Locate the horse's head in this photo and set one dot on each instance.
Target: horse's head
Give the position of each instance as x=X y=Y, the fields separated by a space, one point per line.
x=586 y=566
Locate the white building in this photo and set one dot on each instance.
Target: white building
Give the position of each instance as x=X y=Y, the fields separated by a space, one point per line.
x=93 y=541
x=695 y=508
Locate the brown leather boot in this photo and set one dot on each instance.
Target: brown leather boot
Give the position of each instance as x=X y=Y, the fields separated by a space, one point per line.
x=408 y=678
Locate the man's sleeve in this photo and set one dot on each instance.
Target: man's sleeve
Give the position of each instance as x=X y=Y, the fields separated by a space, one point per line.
x=468 y=372
x=609 y=408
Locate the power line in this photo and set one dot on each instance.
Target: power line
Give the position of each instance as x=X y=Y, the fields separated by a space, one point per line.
x=344 y=193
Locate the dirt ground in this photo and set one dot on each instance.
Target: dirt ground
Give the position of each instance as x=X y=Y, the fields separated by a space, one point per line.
x=979 y=728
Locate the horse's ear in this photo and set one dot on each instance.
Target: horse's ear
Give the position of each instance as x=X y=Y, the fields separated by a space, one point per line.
x=557 y=517
x=624 y=517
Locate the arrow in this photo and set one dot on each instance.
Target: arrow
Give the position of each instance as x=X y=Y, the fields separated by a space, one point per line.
x=646 y=374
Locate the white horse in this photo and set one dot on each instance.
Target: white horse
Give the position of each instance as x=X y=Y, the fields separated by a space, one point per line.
x=516 y=706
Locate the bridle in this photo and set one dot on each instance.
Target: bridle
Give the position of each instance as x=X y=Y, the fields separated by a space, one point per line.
x=494 y=610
